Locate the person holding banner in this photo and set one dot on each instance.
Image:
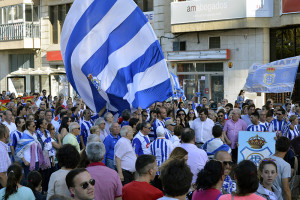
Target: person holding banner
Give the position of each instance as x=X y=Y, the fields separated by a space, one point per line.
x=256 y=126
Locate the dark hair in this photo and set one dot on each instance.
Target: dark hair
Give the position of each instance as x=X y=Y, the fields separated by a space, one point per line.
x=20 y=108
x=180 y=110
x=246 y=176
x=209 y=175
x=68 y=156
x=158 y=110
x=176 y=178
x=126 y=114
x=14 y=175
x=27 y=124
x=133 y=121
x=39 y=123
x=270 y=113
x=255 y=114
x=34 y=178
x=61 y=114
x=187 y=135
x=188 y=115
x=58 y=197
x=250 y=106
x=268 y=105
x=295 y=143
x=71 y=175
x=241 y=92
x=205 y=110
x=142 y=162
x=64 y=124
x=179 y=104
x=229 y=105
x=217 y=131
x=178 y=130
x=282 y=110
x=282 y=144
x=262 y=165
x=221 y=111
x=18 y=121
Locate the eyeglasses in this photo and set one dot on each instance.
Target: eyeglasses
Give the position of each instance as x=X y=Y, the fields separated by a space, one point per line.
x=145 y=115
x=278 y=114
x=181 y=114
x=220 y=115
x=192 y=113
x=86 y=184
x=190 y=104
x=230 y=163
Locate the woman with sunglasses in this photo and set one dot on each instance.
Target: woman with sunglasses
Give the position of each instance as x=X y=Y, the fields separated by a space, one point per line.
x=209 y=181
x=29 y=150
x=247 y=182
x=183 y=118
x=191 y=117
x=64 y=127
x=267 y=172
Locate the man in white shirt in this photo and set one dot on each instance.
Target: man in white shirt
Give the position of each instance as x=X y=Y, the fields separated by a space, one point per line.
x=125 y=156
x=5 y=160
x=196 y=157
x=141 y=140
x=8 y=117
x=202 y=127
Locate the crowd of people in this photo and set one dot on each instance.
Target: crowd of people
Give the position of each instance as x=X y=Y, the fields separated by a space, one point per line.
x=57 y=148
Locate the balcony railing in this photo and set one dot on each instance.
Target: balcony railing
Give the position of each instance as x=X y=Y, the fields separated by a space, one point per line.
x=19 y=31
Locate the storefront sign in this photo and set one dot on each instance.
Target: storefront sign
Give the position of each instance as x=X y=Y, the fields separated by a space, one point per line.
x=203 y=10
x=222 y=54
x=290 y=6
x=255 y=146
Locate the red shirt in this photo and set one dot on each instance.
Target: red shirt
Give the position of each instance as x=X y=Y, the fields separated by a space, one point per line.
x=140 y=190
x=209 y=194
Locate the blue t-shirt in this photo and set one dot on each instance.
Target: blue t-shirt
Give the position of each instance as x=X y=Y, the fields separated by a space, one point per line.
x=23 y=193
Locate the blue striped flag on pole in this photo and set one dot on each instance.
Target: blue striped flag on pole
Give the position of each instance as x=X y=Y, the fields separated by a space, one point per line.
x=112 y=55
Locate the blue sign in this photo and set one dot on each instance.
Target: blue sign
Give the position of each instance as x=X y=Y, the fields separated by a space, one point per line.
x=255 y=146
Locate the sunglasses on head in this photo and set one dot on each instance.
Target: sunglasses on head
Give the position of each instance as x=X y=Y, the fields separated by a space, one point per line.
x=86 y=184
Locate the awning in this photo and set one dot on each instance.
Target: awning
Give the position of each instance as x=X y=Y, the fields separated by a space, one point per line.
x=38 y=71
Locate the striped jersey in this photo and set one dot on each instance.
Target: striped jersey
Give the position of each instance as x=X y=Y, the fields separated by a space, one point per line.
x=277 y=125
x=258 y=128
x=168 y=134
x=141 y=144
x=291 y=134
x=85 y=130
x=14 y=137
x=161 y=148
x=156 y=124
x=266 y=124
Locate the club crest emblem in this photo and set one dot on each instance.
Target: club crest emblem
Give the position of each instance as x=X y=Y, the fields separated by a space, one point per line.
x=269 y=77
x=95 y=81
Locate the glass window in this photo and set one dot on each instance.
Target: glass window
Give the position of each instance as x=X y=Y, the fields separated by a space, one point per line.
x=28 y=13
x=21 y=61
x=17 y=85
x=213 y=67
x=35 y=13
x=145 y=5
x=20 y=12
x=214 y=42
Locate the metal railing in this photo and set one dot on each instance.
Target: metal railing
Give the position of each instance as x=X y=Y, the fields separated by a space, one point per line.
x=19 y=31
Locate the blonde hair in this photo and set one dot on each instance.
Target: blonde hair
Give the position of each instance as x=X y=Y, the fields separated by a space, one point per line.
x=93 y=129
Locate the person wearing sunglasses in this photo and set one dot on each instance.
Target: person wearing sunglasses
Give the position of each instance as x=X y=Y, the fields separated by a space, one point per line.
x=279 y=125
x=267 y=173
x=191 y=116
x=209 y=181
x=71 y=138
x=221 y=118
x=229 y=185
x=80 y=184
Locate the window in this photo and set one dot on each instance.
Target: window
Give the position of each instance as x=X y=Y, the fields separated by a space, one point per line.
x=21 y=61
x=179 y=46
x=57 y=15
x=11 y=14
x=214 y=43
x=145 y=5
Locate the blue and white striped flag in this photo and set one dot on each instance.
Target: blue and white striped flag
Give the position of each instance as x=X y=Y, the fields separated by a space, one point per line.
x=112 y=55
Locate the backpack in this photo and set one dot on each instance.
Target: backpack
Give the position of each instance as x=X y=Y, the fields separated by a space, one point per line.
x=295 y=182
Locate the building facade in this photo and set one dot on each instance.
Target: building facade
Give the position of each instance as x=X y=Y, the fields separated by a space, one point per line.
x=210 y=45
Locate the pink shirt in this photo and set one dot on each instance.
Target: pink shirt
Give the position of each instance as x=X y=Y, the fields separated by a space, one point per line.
x=249 y=197
x=232 y=128
x=108 y=184
x=209 y=194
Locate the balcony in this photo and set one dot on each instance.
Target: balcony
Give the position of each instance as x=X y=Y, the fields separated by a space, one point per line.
x=22 y=35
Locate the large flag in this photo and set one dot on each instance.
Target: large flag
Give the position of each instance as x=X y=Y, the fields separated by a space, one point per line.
x=112 y=55
x=275 y=77
x=178 y=93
